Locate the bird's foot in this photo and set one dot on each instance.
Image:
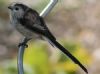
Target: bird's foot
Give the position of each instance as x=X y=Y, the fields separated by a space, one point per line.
x=22 y=44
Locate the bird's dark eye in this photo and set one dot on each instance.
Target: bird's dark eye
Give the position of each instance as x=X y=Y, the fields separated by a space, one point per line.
x=16 y=8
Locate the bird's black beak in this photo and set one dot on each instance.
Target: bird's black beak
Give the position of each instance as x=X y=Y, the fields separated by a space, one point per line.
x=10 y=7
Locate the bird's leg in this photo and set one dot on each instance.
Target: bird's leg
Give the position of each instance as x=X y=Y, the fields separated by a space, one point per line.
x=24 y=43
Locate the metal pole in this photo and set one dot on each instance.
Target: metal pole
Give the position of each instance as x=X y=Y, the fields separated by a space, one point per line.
x=48 y=8
x=20 y=56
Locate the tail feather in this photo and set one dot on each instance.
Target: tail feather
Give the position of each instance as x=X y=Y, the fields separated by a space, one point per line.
x=68 y=54
x=49 y=41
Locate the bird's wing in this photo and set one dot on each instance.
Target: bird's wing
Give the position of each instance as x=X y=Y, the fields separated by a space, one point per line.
x=35 y=23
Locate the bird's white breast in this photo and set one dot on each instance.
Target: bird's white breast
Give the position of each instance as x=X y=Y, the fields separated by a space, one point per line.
x=24 y=31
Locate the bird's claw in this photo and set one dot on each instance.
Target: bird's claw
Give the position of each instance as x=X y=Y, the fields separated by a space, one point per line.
x=22 y=44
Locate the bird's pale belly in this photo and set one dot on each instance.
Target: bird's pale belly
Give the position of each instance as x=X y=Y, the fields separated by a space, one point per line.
x=27 y=33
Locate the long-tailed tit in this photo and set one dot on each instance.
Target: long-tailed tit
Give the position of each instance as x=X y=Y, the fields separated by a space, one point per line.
x=28 y=22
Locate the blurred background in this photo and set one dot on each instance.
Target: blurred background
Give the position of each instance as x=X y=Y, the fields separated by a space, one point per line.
x=75 y=24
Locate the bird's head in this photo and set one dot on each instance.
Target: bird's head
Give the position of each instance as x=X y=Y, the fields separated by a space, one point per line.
x=17 y=10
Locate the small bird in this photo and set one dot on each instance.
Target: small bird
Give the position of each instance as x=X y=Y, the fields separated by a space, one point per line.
x=30 y=24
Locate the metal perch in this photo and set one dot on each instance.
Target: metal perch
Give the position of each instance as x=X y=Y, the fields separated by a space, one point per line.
x=20 y=56
x=21 y=50
x=48 y=8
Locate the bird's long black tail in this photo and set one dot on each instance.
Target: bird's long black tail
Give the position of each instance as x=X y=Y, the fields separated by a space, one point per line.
x=58 y=45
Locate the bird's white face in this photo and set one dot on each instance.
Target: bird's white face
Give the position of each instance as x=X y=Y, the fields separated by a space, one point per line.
x=16 y=12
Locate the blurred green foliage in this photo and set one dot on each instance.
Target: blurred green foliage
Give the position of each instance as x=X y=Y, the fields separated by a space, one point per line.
x=2 y=3
x=36 y=56
x=37 y=60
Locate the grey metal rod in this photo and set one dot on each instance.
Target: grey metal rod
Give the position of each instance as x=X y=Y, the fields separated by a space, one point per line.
x=20 y=60
x=20 y=57
x=48 y=8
